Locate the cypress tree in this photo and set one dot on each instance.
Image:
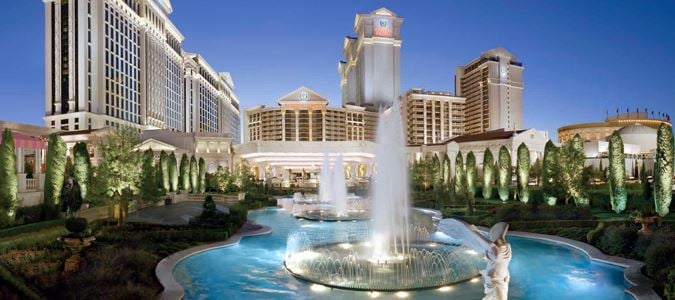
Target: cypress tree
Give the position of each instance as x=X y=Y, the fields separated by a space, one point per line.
x=184 y=179
x=55 y=174
x=202 y=175
x=164 y=171
x=488 y=173
x=523 y=175
x=82 y=168
x=550 y=173
x=460 y=180
x=149 y=190
x=617 y=173
x=173 y=172
x=194 y=174
x=446 y=170
x=9 y=184
x=572 y=164
x=663 y=170
x=471 y=174
x=504 y=173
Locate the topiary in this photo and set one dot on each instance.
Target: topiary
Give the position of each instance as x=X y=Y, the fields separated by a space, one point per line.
x=76 y=225
x=209 y=207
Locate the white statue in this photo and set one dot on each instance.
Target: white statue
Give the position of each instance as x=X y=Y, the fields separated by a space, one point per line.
x=495 y=248
x=496 y=274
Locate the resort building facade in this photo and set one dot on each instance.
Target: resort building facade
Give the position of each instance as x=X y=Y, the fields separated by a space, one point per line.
x=493 y=87
x=431 y=117
x=121 y=63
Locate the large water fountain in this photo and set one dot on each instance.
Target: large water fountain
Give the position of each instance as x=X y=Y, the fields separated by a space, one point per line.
x=396 y=251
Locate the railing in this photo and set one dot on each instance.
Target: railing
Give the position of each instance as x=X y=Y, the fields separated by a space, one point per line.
x=32 y=184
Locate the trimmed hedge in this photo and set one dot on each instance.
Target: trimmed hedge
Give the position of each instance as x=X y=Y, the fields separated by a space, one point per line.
x=30 y=228
x=529 y=225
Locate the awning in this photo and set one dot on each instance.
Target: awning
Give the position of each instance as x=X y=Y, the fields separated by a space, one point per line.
x=22 y=141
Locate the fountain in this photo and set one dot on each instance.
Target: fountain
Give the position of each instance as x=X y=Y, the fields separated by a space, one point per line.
x=396 y=251
x=333 y=192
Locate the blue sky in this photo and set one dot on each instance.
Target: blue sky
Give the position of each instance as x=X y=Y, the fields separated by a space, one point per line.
x=581 y=58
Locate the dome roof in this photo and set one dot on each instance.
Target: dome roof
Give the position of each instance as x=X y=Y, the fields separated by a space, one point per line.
x=640 y=135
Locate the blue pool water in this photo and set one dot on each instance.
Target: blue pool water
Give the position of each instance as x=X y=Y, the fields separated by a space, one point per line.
x=253 y=270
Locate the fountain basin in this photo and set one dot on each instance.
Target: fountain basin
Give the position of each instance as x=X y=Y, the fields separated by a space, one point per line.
x=331 y=216
x=350 y=265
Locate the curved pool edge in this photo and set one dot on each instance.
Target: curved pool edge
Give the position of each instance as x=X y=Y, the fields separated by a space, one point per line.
x=164 y=270
x=641 y=288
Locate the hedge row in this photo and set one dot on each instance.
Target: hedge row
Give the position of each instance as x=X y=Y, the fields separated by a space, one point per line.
x=30 y=228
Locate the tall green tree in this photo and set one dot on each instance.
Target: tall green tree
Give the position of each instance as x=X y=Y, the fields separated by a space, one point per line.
x=173 y=172
x=446 y=171
x=438 y=170
x=663 y=170
x=55 y=174
x=82 y=168
x=118 y=169
x=184 y=179
x=617 y=173
x=460 y=177
x=488 y=173
x=572 y=160
x=471 y=174
x=194 y=175
x=202 y=175
x=551 y=185
x=164 y=171
x=149 y=191
x=523 y=173
x=536 y=170
x=503 y=173
x=9 y=184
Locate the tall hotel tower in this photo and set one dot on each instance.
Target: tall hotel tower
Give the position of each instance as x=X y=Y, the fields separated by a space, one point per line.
x=370 y=74
x=493 y=87
x=121 y=62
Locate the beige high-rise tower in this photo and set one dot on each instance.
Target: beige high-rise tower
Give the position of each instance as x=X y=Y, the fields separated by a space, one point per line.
x=370 y=74
x=493 y=87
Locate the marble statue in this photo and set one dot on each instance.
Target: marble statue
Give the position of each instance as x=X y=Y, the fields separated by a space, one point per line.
x=493 y=246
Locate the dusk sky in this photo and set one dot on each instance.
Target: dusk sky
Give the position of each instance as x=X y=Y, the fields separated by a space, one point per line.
x=581 y=58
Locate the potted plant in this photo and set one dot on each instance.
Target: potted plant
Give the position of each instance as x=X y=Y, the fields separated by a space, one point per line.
x=78 y=237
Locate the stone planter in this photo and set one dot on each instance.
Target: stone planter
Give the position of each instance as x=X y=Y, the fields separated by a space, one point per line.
x=646 y=221
x=75 y=246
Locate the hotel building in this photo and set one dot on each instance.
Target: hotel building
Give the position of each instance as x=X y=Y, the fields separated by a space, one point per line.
x=286 y=144
x=431 y=117
x=121 y=62
x=304 y=115
x=493 y=87
x=370 y=74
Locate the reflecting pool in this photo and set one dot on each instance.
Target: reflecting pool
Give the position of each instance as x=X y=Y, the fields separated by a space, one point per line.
x=253 y=269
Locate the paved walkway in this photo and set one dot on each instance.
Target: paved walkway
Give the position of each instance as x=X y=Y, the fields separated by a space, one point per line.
x=175 y=214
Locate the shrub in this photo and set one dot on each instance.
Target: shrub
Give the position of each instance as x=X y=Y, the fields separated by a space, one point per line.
x=617 y=240
x=115 y=273
x=30 y=228
x=29 y=214
x=669 y=285
x=76 y=225
x=594 y=234
x=658 y=258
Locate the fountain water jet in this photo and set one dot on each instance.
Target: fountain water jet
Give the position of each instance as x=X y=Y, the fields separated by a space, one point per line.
x=339 y=188
x=325 y=190
x=390 y=206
